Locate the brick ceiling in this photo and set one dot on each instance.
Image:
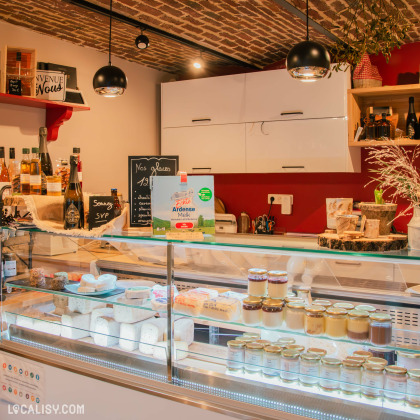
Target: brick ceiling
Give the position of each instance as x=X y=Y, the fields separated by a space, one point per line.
x=258 y=32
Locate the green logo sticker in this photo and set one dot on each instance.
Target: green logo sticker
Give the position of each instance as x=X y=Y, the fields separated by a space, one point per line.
x=205 y=194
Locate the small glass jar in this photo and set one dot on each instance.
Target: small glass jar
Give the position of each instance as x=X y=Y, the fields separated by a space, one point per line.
x=54 y=185
x=377 y=361
x=236 y=355
x=295 y=347
x=285 y=341
x=351 y=377
x=336 y=322
x=295 y=315
x=358 y=325
x=361 y=353
x=245 y=339
x=395 y=383
x=372 y=380
x=315 y=320
x=366 y=308
x=271 y=361
x=356 y=359
x=319 y=352
x=330 y=374
x=380 y=329
x=252 y=311
x=309 y=369
x=344 y=305
x=408 y=360
x=413 y=388
x=252 y=335
x=9 y=264
x=254 y=353
x=272 y=313
x=305 y=294
x=257 y=282
x=277 y=284
x=322 y=302
x=290 y=299
x=265 y=343
x=289 y=365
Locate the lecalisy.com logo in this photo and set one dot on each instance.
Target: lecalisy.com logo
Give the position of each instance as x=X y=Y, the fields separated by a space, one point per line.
x=47 y=409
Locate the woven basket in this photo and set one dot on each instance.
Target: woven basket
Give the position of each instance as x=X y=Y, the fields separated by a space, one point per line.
x=366 y=83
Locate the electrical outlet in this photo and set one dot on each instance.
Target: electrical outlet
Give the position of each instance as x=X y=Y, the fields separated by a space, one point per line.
x=285 y=200
x=277 y=198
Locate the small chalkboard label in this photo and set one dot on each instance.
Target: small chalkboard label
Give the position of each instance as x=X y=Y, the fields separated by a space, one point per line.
x=15 y=87
x=140 y=169
x=101 y=210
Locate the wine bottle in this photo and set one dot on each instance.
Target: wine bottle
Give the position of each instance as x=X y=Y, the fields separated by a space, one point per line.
x=25 y=172
x=45 y=159
x=371 y=128
x=117 y=205
x=4 y=173
x=35 y=174
x=74 y=216
x=76 y=152
x=14 y=171
x=384 y=128
x=411 y=119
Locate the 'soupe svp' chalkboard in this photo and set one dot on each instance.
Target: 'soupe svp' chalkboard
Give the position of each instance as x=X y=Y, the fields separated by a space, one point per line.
x=140 y=169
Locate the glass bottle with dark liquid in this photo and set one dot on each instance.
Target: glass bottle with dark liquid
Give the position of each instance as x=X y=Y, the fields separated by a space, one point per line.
x=384 y=128
x=44 y=157
x=371 y=128
x=117 y=205
x=411 y=119
x=25 y=172
x=74 y=215
x=35 y=172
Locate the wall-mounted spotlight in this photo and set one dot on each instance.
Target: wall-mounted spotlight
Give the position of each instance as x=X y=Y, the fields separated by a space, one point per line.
x=198 y=62
x=142 y=41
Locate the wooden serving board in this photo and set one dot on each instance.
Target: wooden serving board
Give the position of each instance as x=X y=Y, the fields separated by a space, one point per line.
x=380 y=244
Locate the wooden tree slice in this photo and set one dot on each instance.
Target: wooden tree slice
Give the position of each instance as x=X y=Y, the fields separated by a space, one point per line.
x=380 y=244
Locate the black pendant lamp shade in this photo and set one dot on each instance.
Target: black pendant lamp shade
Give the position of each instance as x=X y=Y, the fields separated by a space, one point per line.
x=109 y=81
x=142 y=42
x=308 y=60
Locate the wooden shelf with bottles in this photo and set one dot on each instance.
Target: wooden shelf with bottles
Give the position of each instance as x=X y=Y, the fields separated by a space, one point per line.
x=359 y=100
x=56 y=112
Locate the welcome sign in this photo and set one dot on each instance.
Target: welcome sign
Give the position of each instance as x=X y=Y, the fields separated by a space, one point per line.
x=50 y=85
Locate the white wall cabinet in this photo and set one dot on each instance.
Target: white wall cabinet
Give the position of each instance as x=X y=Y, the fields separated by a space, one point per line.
x=275 y=95
x=210 y=149
x=298 y=146
x=213 y=100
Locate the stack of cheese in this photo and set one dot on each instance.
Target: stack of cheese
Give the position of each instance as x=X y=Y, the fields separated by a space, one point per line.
x=39 y=321
x=90 y=284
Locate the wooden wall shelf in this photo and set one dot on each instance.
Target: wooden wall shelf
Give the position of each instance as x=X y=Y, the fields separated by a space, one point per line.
x=56 y=112
x=394 y=96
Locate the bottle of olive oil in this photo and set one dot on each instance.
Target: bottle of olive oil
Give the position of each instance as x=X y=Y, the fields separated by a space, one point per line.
x=74 y=216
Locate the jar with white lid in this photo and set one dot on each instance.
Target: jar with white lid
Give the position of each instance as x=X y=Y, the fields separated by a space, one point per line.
x=236 y=355
x=257 y=282
x=358 y=325
x=344 y=305
x=408 y=360
x=380 y=329
x=336 y=322
x=395 y=383
x=351 y=377
x=309 y=369
x=271 y=361
x=254 y=353
x=330 y=374
x=277 y=284
x=272 y=313
x=372 y=380
x=295 y=315
x=366 y=308
x=252 y=311
x=305 y=293
x=315 y=320
x=290 y=365
x=413 y=388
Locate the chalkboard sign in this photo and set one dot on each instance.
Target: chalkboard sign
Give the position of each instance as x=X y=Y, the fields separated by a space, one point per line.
x=101 y=210
x=15 y=87
x=140 y=169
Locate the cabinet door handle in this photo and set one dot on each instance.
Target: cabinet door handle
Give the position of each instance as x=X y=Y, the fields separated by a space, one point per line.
x=201 y=169
x=201 y=120
x=348 y=263
x=293 y=167
x=292 y=113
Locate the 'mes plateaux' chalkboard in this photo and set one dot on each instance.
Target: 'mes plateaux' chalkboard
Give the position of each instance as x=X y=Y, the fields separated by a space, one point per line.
x=140 y=169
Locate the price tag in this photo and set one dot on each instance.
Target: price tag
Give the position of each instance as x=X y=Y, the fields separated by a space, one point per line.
x=101 y=210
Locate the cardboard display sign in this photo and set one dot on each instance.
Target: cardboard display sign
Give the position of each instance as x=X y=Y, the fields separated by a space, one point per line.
x=140 y=169
x=101 y=210
x=50 y=85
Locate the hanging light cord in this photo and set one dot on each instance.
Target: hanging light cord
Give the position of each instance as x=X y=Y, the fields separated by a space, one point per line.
x=110 y=29
x=307 y=20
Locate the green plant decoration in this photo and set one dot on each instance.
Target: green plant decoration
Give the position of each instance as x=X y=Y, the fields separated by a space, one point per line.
x=372 y=27
x=378 y=196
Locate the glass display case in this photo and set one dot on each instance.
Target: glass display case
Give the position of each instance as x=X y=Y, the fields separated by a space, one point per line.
x=247 y=325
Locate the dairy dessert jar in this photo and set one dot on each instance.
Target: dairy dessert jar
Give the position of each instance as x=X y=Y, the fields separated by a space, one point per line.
x=351 y=377
x=277 y=284
x=271 y=361
x=358 y=325
x=315 y=320
x=295 y=315
x=395 y=383
x=330 y=374
x=336 y=322
x=309 y=369
x=236 y=355
x=289 y=365
x=252 y=311
x=254 y=353
x=272 y=313
x=257 y=282
x=372 y=380
x=380 y=329
x=413 y=387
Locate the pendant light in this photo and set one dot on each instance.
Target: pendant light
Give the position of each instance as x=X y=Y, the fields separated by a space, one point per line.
x=142 y=41
x=308 y=61
x=109 y=81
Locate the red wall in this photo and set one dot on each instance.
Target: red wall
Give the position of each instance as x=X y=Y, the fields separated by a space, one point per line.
x=248 y=192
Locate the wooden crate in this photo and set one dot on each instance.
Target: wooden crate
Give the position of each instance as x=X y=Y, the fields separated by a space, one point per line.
x=27 y=72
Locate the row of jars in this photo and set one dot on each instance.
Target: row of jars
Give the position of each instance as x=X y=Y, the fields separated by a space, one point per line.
x=341 y=320
x=355 y=375
x=262 y=283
